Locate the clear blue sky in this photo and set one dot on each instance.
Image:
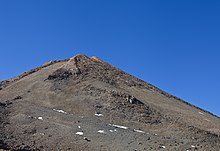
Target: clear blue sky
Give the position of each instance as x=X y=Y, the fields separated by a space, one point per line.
x=173 y=44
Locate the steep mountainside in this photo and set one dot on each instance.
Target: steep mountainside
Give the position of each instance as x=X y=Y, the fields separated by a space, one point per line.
x=86 y=104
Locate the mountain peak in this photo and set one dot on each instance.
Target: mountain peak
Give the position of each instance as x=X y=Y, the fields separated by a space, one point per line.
x=79 y=56
x=95 y=106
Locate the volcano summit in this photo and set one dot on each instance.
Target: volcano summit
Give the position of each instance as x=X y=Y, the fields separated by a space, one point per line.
x=86 y=104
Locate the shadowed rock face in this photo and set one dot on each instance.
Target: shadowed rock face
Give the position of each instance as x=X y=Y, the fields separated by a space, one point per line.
x=60 y=74
x=84 y=103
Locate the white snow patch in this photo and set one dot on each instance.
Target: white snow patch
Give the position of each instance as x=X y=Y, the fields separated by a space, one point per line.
x=79 y=126
x=201 y=113
x=98 y=114
x=79 y=133
x=40 y=118
x=60 y=111
x=139 y=131
x=163 y=147
x=193 y=146
x=155 y=134
x=101 y=131
x=118 y=126
x=113 y=130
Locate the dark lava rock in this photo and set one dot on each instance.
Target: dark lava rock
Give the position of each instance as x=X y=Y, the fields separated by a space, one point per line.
x=60 y=74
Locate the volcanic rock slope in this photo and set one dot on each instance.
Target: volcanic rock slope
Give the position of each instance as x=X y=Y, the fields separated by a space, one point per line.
x=86 y=104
